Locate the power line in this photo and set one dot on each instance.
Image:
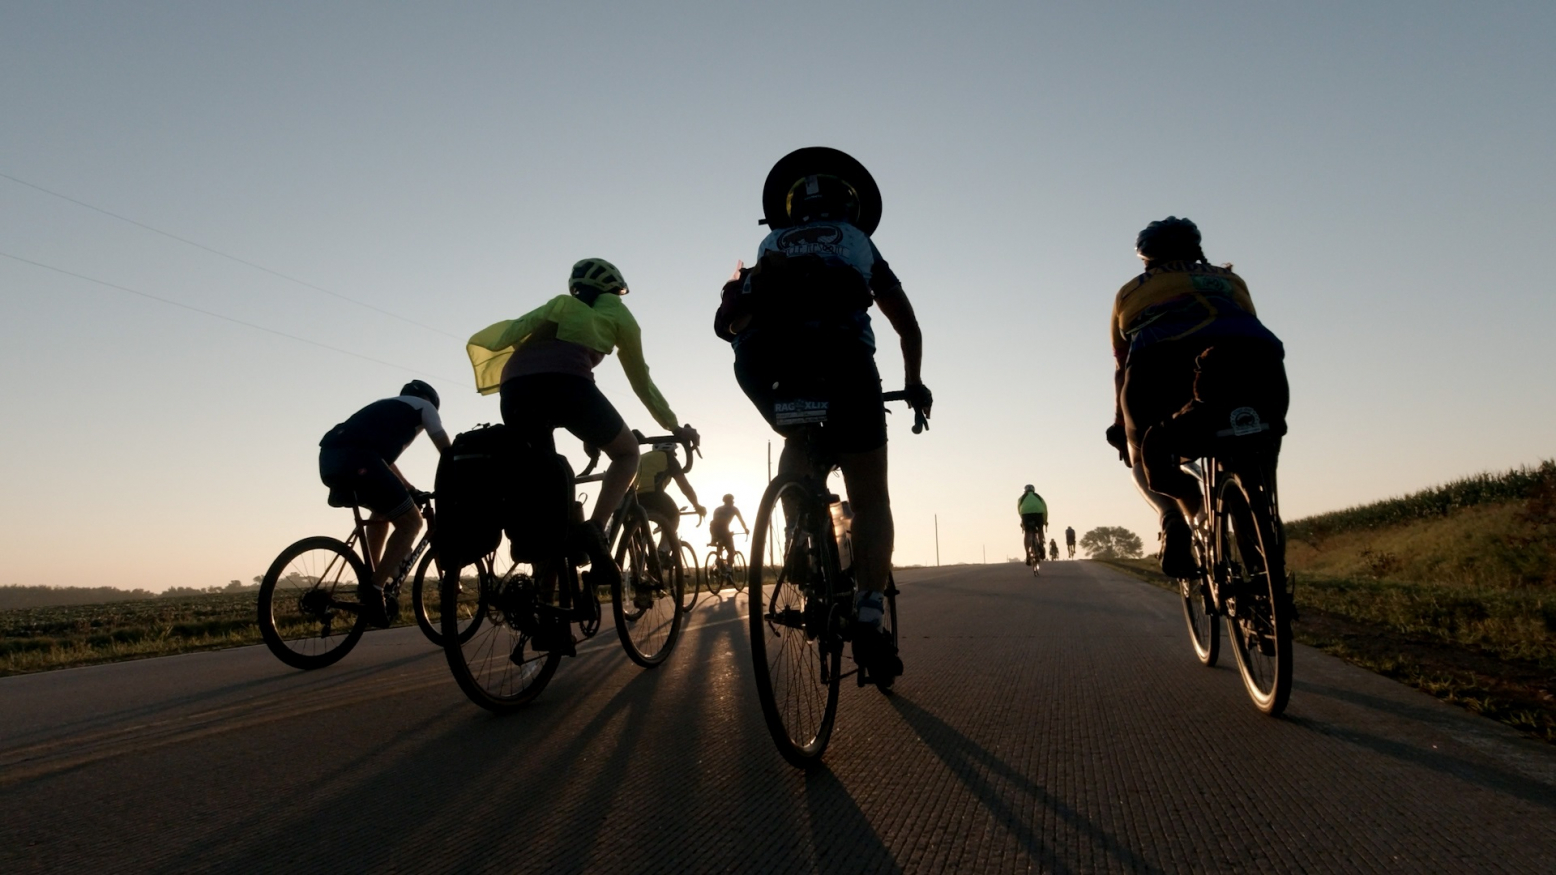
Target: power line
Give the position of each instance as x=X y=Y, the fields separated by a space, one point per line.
x=222 y=317
x=226 y=255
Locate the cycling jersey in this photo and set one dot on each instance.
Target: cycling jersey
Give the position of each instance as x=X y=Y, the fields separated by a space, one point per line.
x=1069 y=536
x=385 y=428
x=558 y=337
x=1183 y=300
x=1031 y=502
x=720 y=519
x=653 y=471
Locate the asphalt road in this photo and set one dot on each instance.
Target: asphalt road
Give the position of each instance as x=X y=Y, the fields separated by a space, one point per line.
x=1058 y=724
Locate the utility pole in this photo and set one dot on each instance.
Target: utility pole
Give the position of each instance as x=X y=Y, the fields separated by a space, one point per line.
x=937 y=540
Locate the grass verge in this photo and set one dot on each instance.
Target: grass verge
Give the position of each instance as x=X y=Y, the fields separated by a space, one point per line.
x=1490 y=651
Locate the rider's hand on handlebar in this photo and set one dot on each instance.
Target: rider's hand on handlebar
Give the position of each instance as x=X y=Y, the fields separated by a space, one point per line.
x=687 y=435
x=919 y=398
x=1119 y=441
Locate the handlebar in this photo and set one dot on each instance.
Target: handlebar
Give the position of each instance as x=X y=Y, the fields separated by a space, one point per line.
x=920 y=421
x=691 y=451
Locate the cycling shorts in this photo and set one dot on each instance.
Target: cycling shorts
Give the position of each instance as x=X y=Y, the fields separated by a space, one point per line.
x=817 y=365
x=535 y=405
x=1034 y=522
x=662 y=507
x=358 y=476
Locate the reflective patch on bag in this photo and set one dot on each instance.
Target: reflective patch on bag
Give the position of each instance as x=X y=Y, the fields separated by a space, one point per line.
x=799 y=412
x=1244 y=421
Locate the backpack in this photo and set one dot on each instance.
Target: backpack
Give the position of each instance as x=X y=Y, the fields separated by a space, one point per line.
x=470 y=495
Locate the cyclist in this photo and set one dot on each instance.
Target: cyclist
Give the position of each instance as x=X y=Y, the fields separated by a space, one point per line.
x=1192 y=359
x=800 y=328
x=656 y=469
x=543 y=364
x=1069 y=540
x=1034 y=519
x=1053 y=549
x=356 y=461
x=718 y=526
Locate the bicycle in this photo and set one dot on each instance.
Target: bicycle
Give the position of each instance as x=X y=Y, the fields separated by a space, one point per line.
x=500 y=667
x=309 y=615
x=802 y=607
x=1239 y=546
x=725 y=569
x=1034 y=547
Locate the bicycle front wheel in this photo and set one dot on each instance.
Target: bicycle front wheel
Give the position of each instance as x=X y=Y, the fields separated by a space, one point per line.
x=1199 y=610
x=1259 y=618
x=645 y=597
x=301 y=613
x=691 y=576
x=795 y=646
x=491 y=657
x=427 y=601
x=736 y=575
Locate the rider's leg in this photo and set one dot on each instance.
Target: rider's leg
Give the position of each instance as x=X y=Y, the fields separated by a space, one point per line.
x=375 y=529
x=623 y=453
x=406 y=527
x=864 y=474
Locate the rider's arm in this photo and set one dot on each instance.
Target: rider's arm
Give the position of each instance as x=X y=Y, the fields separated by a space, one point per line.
x=440 y=440
x=743 y=527
x=679 y=474
x=898 y=310
x=396 y=471
x=629 y=340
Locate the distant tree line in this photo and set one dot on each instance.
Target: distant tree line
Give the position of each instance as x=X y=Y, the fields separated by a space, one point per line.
x=16 y=596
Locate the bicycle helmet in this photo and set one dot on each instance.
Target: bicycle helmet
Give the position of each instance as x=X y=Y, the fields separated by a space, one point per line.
x=421 y=389
x=819 y=182
x=666 y=446
x=1031 y=488
x=597 y=275
x=729 y=499
x=1171 y=239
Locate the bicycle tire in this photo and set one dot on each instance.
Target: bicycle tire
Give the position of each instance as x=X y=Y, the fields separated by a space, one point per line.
x=1260 y=624
x=427 y=604
x=1199 y=611
x=737 y=571
x=298 y=600
x=483 y=662
x=648 y=633
x=796 y=650
x=682 y=555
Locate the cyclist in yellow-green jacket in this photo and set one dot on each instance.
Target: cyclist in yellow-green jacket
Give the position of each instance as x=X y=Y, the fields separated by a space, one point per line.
x=1034 y=518
x=543 y=364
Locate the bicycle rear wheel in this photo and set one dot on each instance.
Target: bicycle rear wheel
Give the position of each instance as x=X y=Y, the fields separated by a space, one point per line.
x=1259 y=620
x=494 y=664
x=1199 y=610
x=427 y=602
x=795 y=648
x=301 y=613
x=691 y=576
x=646 y=596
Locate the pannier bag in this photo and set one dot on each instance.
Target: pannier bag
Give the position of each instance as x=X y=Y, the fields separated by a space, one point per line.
x=470 y=489
x=539 y=505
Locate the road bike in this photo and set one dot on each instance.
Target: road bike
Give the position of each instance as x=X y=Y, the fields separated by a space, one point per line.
x=725 y=569
x=528 y=608
x=1034 y=547
x=309 y=615
x=1239 y=547
x=802 y=598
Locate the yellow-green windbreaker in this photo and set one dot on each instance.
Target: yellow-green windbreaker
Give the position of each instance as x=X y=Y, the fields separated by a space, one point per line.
x=606 y=326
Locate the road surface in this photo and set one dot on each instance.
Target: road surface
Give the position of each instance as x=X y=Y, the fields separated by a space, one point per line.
x=1058 y=724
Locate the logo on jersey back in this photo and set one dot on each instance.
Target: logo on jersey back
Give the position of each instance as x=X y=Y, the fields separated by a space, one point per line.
x=813 y=240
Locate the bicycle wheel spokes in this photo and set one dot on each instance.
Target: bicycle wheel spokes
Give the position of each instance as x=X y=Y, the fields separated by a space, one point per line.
x=301 y=616
x=427 y=601
x=646 y=597
x=1259 y=621
x=1199 y=611
x=795 y=652
x=490 y=656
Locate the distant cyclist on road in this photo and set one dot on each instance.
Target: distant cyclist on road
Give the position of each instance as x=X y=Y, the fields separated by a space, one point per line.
x=718 y=526
x=657 y=469
x=1193 y=360
x=356 y=461
x=1069 y=540
x=1053 y=549
x=1034 y=518
x=799 y=320
x=543 y=364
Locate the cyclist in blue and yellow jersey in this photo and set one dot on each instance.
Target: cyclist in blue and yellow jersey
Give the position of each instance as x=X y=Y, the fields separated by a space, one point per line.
x=1034 y=519
x=356 y=461
x=543 y=364
x=800 y=328
x=657 y=469
x=1192 y=360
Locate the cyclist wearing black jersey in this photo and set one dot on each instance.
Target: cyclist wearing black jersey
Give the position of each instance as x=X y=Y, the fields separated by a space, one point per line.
x=1069 y=540
x=1193 y=361
x=356 y=461
x=718 y=526
x=800 y=328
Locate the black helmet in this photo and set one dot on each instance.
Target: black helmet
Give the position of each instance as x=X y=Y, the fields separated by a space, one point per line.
x=421 y=389
x=1171 y=239
x=817 y=182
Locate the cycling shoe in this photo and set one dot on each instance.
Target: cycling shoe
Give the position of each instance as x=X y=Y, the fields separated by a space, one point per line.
x=372 y=600
x=876 y=657
x=1178 y=549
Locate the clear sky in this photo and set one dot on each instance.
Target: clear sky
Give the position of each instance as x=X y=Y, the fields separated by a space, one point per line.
x=1380 y=174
